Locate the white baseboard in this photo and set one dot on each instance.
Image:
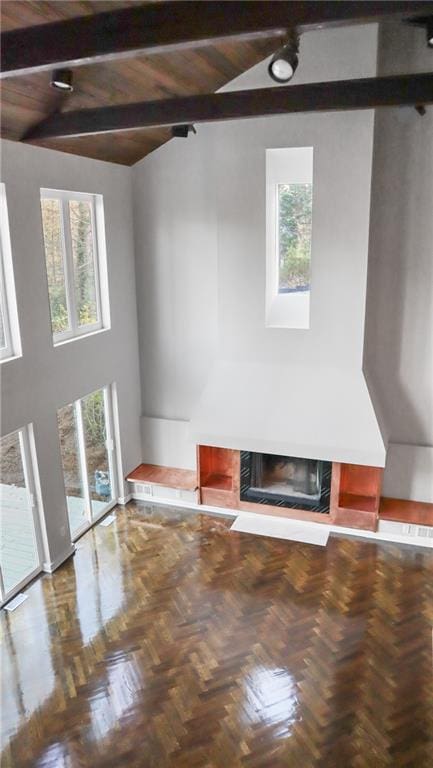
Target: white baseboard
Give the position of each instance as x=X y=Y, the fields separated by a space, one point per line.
x=124 y=499
x=394 y=533
x=223 y=512
x=51 y=567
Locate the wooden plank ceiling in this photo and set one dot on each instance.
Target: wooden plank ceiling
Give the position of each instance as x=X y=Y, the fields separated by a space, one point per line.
x=28 y=99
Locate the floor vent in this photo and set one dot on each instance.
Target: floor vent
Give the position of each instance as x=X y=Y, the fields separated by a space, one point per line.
x=12 y=604
x=143 y=488
x=418 y=530
x=108 y=520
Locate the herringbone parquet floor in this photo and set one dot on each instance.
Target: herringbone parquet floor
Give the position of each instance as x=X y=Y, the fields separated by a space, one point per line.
x=168 y=641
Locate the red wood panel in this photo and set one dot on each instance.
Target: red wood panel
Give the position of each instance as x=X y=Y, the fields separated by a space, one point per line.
x=402 y=511
x=183 y=479
x=294 y=514
x=215 y=461
x=219 y=498
x=355 y=495
x=354 y=518
x=360 y=480
x=216 y=467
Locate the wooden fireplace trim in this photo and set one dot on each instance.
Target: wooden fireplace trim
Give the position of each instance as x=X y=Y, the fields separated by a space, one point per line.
x=218 y=476
x=355 y=495
x=355 y=489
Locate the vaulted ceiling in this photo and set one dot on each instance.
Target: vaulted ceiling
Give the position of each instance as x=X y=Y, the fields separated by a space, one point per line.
x=28 y=99
x=167 y=53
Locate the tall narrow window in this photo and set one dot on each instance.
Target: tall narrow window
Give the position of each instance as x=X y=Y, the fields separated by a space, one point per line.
x=76 y=272
x=294 y=237
x=87 y=448
x=20 y=557
x=9 y=332
x=289 y=203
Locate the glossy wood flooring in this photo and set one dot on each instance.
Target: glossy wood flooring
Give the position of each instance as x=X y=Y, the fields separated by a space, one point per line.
x=168 y=641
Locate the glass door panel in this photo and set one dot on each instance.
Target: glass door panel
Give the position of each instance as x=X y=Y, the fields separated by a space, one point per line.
x=94 y=414
x=87 y=449
x=72 y=467
x=19 y=556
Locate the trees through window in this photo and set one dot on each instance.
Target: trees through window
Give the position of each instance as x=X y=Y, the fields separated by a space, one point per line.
x=294 y=236
x=73 y=263
x=289 y=221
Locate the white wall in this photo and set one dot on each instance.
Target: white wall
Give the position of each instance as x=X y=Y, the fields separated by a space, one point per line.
x=175 y=234
x=45 y=378
x=200 y=237
x=399 y=329
x=167 y=442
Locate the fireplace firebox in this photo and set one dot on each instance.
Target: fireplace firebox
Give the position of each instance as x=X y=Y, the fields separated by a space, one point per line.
x=286 y=481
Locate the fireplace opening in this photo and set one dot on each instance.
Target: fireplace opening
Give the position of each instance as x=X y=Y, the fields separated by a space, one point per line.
x=286 y=481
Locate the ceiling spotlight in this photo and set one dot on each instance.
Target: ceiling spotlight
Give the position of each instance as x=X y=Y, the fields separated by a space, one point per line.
x=283 y=64
x=430 y=32
x=182 y=131
x=61 y=79
x=427 y=22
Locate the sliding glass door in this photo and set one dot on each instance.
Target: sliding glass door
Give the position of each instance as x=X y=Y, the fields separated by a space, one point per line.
x=87 y=447
x=20 y=548
x=68 y=419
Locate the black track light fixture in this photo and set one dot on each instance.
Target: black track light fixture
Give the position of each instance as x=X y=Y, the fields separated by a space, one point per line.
x=427 y=23
x=61 y=80
x=429 y=27
x=182 y=131
x=283 y=64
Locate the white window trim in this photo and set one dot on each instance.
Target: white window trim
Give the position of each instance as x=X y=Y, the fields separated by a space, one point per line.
x=111 y=445
x=28 y=458
x=292 y=165
x=76 y=331
x=7 y=287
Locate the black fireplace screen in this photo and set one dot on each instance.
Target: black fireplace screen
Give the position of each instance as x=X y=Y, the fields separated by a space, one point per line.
x=286 y=481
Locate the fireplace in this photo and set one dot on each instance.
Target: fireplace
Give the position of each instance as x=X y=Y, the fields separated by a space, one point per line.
x=286 y=481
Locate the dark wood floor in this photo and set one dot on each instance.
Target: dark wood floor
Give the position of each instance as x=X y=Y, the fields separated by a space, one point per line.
x=167 y=641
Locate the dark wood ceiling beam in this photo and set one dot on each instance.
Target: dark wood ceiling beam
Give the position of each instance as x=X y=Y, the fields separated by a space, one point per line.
x=164 y=26
x=234 y=105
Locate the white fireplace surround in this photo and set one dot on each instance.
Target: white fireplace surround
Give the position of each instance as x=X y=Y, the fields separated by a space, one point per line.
x=290 y=410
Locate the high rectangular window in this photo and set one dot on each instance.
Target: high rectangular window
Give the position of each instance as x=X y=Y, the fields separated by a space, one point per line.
x=74 y=244
x=289 y=210
x=9 y=332
x=294 y=236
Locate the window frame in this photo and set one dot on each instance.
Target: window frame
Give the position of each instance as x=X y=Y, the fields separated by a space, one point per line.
x=76 y=331
x=112 y=448
x=30 y=471
x=8 y=307
x=6 y=352
x=289 y=165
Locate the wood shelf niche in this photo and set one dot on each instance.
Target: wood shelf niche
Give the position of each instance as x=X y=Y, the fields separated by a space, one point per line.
x=168 y=477
x=355 y=495
x=404 y=511
x=218 y=472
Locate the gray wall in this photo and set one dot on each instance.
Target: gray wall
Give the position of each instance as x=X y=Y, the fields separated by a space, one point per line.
x=399 y=328
x=200 y=236
x=176 y=254
x=200 y=272
x=34 y=386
